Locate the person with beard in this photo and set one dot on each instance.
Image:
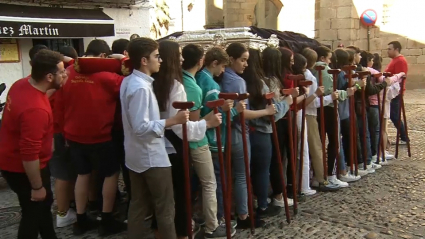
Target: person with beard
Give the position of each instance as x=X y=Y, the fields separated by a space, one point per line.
x=86 y=106
x=61 y=166
x=26 y=140
x=397 y=65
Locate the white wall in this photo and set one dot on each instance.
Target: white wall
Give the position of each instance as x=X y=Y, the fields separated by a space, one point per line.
x=11 y=72
x=127 y=22
x=193 y=20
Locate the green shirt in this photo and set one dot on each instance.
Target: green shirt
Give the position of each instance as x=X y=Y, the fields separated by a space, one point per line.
x=194 y=93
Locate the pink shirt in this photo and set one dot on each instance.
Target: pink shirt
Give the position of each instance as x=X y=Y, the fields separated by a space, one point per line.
x=373 y=99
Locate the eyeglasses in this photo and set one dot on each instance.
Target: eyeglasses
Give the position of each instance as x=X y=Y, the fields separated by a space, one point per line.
x=62 y=73
x=157 y=56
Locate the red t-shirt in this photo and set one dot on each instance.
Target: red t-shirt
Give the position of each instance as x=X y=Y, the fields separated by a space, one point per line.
x=398 y=64
x=85 y=106
x=26 y=133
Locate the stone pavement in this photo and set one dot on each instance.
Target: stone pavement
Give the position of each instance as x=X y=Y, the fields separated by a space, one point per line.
x=388 y=204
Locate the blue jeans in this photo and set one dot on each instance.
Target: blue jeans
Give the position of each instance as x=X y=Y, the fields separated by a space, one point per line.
x=394 y=116
x=373 y=121
x=342 y=161
x=360 y=139
x=261 y=156
x=238 y=174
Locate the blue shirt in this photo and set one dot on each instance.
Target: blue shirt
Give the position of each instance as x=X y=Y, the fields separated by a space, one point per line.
x=143 y=129
x=233 y=83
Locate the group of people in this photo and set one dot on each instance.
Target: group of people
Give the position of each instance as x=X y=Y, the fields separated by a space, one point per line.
x=85 y=129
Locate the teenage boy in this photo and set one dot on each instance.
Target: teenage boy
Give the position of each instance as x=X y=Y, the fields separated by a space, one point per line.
x=145 y=153
x=26 y=140
x=397 y=65
x=215 y=62
x=87 y=106
x=201 y=155
x=120 y=47
x=324 y=56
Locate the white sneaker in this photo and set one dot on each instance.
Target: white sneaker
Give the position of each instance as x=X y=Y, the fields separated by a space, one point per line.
x=389 y=156
x=374 y=158
x=69 y=219
x=309 y=192
x=334 y=180
x=385 y=162
x=281 y=203
x=348 y=178
x=369 y=169
x=374 y=165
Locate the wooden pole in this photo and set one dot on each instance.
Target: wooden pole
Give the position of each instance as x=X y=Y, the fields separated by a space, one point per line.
x=335 y=73
x=363 y=74
x=322 y=125
x=352 y=142
x=214 y=105
x=303 y=84
x=229 y=96
x=185 y=106
x=269 y=98
x=292 y=157
x=247 y=165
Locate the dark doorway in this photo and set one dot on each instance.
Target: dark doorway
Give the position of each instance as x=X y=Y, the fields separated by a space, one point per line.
x=55 y=44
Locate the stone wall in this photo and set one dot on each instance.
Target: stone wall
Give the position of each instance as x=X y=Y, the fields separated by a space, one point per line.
x=337 y=22
x=238 y=13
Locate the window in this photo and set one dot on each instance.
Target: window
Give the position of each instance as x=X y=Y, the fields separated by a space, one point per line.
x=55 y=44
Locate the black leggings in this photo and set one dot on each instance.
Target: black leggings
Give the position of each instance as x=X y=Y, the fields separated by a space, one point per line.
x=283 y=136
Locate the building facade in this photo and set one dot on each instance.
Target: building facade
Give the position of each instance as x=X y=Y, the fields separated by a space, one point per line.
x=335 y=22
x=59 y=23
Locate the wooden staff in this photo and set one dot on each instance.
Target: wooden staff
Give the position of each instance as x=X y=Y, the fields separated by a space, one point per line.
x=381 y=126
x=335 y=73
x=402 y=110
x=229 y=96
x=294 y=131
x=247 y=164
x=377 y=76
x=292 y=154
x=303 y=84
x=363 y=74
x=185 y=106
x=214 y=105
x=322 y=124
x=352 y=140
x=269 y=98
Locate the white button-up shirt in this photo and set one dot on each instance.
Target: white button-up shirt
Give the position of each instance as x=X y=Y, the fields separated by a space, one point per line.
x=195 y=129
x=311 y=109
x=143 y=129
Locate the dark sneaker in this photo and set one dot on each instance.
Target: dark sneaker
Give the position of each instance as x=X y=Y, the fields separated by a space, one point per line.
x=245 y=224
x=111 y=228
x=199 y=220
x=220 y=232
x=270 y=211
x=81 y=228
x=222 y=223
x=328 y=187
x=195 y=229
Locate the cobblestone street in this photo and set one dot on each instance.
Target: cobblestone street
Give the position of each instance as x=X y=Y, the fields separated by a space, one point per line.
x=388 y=204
